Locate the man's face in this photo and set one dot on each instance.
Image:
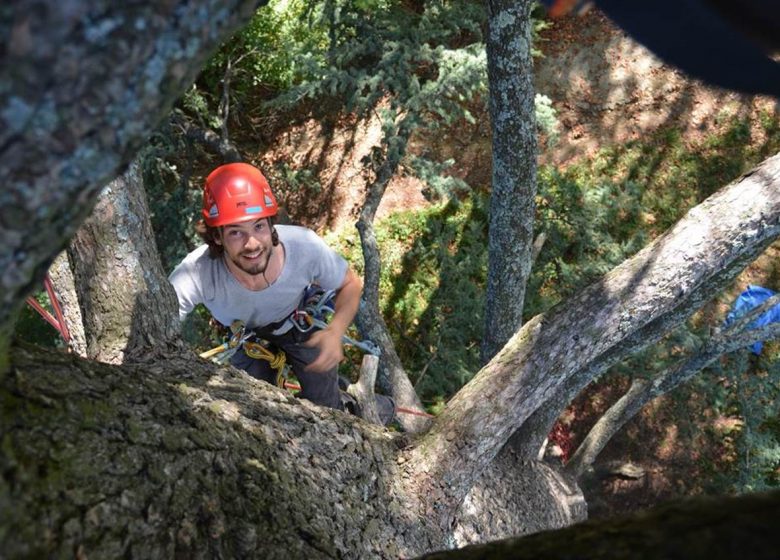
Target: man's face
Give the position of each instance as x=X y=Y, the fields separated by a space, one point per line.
x=248 y=245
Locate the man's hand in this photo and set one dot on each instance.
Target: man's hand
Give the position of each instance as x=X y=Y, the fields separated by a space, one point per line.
x=329 y=340
x=331 y=351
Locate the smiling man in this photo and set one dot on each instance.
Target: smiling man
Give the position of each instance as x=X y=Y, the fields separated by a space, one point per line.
x=254 y=271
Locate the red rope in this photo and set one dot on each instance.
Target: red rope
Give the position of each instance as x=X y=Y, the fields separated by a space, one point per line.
x=57 y=322
x=55 y=303
x=412 y=411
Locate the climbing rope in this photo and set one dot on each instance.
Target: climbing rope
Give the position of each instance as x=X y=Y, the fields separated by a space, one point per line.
x=254 y=349
x=58 y=319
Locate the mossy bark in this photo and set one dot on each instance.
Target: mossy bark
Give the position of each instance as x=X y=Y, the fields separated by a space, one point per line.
x=513 y=182
x=185 y=459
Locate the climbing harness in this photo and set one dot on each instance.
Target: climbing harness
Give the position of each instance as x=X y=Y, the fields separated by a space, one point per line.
x=316 y=306
x=256 y=349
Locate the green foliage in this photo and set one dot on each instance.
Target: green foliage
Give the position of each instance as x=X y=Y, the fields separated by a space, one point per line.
x=546 y=118
x=267 y=52
x=591 y=225
x=173 y=205
x=432 y=291
x=32 y=328
x=748 y=391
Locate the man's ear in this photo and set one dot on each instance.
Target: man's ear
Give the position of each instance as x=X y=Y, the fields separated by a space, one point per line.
x=218 y=236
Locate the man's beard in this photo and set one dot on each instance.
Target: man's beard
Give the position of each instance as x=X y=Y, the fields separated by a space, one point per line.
x=256 y=268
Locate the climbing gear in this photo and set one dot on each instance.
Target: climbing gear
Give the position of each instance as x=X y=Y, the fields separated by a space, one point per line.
x=58 y=319
x=237 y=192
x=254 y=348
x=316 y=306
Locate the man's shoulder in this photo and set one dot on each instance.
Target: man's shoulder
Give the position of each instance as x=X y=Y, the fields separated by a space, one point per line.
x=199 y=255
x=195 y=262
x=295 y=233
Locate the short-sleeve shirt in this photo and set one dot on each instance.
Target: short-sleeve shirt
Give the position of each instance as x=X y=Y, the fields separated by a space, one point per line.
x=308 y=260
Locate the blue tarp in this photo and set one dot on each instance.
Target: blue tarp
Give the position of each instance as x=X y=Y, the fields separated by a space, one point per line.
x=749 y=299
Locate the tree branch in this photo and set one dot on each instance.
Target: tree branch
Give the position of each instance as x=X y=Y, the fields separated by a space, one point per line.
x=369 y=318
x=220 y=145
x=657 y=288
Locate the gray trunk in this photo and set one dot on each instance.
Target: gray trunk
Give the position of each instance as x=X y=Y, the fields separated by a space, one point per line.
x=128 y=306
x=512 y=205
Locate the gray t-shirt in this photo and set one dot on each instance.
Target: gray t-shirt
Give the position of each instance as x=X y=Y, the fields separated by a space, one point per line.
x=201 y=279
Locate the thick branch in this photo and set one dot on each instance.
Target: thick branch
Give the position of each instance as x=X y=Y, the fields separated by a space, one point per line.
x=660 y=285
x=128 y=306
x=642 y=391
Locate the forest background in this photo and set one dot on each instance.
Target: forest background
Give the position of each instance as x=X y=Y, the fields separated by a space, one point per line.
x=627 y=146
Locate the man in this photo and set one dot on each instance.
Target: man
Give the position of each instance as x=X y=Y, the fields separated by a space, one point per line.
x=256 y=272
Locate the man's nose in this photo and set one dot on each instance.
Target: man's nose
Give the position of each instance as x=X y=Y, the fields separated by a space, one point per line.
x=252 y=241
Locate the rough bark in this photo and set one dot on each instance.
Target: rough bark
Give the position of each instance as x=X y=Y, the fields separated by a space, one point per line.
x=128 y=307
x=62 y=279
x=661 y=285
x=515 y=497
x=513 y=184
x=369 y=318
x=642 y=391
x=185 y=459
x=713 y=528
x=83 y=85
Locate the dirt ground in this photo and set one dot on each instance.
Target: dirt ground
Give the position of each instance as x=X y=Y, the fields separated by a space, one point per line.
x=606 y=90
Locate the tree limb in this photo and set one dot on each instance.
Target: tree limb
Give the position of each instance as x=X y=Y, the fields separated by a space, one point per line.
x=369 y=318
x=659 y=287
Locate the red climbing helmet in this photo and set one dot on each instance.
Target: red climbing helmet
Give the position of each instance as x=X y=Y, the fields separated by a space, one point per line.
x=236 y=192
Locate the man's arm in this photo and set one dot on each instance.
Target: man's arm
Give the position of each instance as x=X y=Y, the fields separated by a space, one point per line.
x=329 y=340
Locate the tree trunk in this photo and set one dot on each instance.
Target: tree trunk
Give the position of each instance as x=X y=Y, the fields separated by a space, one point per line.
x=369 y=318
x=512 y=199
x=128 y=306
x=83 y=85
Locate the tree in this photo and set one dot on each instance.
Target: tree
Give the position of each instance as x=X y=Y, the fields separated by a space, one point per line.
x=512 y=204
x=178 y=457
x=397 y=61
